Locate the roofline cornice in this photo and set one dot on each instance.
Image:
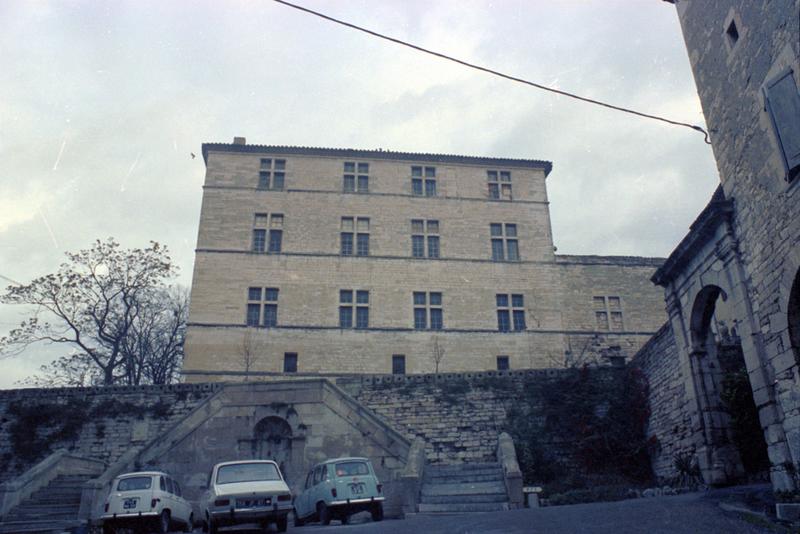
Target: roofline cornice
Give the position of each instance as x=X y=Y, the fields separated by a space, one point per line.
x=546 y=166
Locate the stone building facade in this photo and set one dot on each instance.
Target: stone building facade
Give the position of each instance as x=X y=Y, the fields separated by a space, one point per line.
x=369 y=261
x=736 y=275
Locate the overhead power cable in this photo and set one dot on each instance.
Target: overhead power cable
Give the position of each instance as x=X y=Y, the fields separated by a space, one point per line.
x=496 y=73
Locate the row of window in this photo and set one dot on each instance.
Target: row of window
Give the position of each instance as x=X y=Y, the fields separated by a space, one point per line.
x=262 y=309
x=398 y=363
x=354 y=237
x=355 y=179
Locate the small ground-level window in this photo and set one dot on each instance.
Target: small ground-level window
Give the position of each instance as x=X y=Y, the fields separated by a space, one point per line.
x=398 y=364
x=290 y=362
x=502 y=363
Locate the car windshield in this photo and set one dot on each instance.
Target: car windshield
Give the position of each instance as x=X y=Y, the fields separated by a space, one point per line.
x=228 y=474
x=349 y=469
x=134 y=483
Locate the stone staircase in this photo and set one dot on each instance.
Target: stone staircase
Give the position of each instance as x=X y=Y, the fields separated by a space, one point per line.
x=459 y=488
x=53 y=508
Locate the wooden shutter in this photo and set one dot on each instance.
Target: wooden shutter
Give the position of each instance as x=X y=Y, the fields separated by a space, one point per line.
x=783 y=104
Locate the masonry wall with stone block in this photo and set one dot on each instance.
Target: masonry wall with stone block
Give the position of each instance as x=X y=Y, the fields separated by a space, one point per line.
x=100 y=423
x=745 y=56
x=670 y=422
x=556 y=295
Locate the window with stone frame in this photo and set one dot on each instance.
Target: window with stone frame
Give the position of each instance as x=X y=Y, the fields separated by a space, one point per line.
x=262 y=306
x=782 y=102
x=428 y=311
x=289 y=362
x=354 y=236
x=267 y=232
x=499 y=183
x=398 y=364
x=608 y=313
x=502 y=363
x=423 y=181
x=355 y=177
x=272 y=174
x=424 y=238
x=505 y=246
x=510 y=312
x=353 y=308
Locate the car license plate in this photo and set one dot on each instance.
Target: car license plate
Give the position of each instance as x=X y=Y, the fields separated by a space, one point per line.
x=253 y=503
x=127 y=504
x=357 y=489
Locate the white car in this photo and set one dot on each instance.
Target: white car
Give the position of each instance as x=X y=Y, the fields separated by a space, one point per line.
x=248 y=491
x=148 y=499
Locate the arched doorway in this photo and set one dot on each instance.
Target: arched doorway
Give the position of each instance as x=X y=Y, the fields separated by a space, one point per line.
x=725 y=380
x=794 y=316
x=272 y=440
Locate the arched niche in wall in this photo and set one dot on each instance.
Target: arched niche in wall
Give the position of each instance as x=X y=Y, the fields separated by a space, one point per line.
x=272 y=440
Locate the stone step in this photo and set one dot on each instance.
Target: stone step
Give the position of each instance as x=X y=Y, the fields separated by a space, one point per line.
x=464 y=499
x=45 y=509
x=475 y=488
x=462 y=467
x=461 y=508
x=462 y=478
x=37 y=527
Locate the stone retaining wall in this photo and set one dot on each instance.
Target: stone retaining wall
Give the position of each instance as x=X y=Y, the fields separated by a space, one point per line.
x=101 y=423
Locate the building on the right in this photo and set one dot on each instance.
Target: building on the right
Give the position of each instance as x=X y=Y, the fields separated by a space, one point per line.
x=732 y=286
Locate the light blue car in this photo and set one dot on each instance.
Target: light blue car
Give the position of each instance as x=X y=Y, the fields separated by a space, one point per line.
x=337 y=489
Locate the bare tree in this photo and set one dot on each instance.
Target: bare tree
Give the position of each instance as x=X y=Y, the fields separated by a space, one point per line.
x=154 y=347
x=250 y=351
x=92 y=303
x=74 y=370
x=438 y=354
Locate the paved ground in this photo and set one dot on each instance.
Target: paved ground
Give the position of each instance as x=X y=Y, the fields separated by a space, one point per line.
x=689 y=514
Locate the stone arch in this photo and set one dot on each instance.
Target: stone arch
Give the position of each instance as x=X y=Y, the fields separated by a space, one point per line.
x=272 y=440
x=793 y=316
x=700 y=323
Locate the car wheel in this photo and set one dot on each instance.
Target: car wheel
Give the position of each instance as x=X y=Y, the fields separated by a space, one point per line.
x=163 y=523
x=377 y=512
x=282 y=523
x=212 y=527
x=108 y=529
x=345 y=518
x=324 y=513
x=298 y=521
x=189 y=526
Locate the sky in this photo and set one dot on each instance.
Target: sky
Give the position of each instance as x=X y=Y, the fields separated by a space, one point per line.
x=102 y=104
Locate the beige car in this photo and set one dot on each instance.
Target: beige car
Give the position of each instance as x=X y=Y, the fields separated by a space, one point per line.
x=147 y=499
x=247 y=492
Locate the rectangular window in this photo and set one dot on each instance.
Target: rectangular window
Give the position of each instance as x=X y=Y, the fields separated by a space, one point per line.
x=362 y=245
x=499 y=184
x=275 y=238
x=347 y=305
x=260 y=235
x=272 y=174
x=398 y=364
x=423 y=232
x=262 y=306
x=510 y=312
x=423 y=181
x=502 y=363
x=356 y=173
x=783 y=104
x=504 y=242
x=259 y=239
x=608 y=313
x=289 y=362
x=428 y=311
